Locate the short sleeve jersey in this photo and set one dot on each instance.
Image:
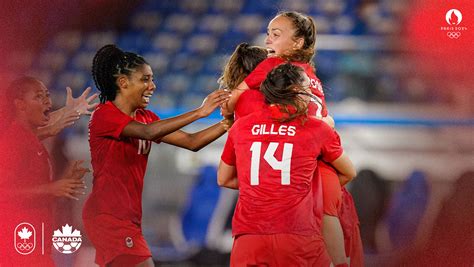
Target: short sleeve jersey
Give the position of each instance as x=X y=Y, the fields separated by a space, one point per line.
x=247 y=101
x=24 y=165
x=118 y=163
x=275 y=163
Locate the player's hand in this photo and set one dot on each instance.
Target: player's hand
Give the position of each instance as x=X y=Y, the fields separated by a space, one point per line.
x=67 y=118
x=75 y=171
x=83 y=104
x=212 y=101
x=227 y=123
x=225 y=112
x=70 y=188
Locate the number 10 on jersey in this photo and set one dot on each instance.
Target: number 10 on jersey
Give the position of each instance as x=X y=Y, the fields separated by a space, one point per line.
x=284 y=165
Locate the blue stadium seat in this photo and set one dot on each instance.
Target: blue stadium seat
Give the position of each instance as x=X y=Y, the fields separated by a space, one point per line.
x=95 y=40
x=147 y=21
x=133 y=41
x=193 y=6
x=213 y=24
x=250 y=24
x=82 y=61
x=74 y=79
x=201 y=44
x=227 y=7
x=167 y=42
x=187 y=63
x=159 y=62
x=180 y=23
x=205 y=84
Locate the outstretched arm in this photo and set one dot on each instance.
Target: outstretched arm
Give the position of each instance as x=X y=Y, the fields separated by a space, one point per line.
x=162 y=128
x=195 y=141
x=227 y=176
x=70 y=113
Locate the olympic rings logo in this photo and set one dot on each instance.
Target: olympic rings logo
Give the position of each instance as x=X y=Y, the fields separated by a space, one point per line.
x=24 y=246
x=453 y=35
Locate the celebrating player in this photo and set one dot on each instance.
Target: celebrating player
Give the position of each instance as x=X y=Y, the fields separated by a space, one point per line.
x=121 y=131
x=271 y=224
x=27 y=192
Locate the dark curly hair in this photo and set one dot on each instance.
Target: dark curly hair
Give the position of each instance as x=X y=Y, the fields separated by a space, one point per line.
x=110 y=62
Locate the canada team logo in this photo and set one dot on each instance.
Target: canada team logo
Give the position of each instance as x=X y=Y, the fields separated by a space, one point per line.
x=67 y=241
x=24 y=238
x=453 y=19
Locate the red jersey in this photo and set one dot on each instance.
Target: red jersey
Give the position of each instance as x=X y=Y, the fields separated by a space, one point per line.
x=350 y=227
x=275 y=164
x=317 y=107
x=119 y=164
x=25 y=165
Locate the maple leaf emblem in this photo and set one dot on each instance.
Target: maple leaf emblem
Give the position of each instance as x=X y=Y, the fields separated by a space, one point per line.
x=67 y=231
x=25 y=234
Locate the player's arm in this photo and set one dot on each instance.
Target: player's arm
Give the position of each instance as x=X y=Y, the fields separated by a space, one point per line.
x=228 y=108
x=329 y=120
x=346 y=169
x=67 y=115
x=195 y=141
x=227 y=176
x=70 y=185
x=159 y=129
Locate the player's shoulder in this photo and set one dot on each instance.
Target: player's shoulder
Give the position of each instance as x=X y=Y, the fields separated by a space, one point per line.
x=318 y=126
x=248 y=121
x=104 y=108
x=145 y=115
x=271 y=62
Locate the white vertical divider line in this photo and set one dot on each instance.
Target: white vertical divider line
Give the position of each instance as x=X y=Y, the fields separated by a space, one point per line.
x=42 y=238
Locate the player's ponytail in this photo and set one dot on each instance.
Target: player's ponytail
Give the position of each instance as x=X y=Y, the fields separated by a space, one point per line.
x=110 y=62
x=284 y=87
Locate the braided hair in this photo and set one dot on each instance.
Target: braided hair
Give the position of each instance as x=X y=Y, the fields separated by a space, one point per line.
x=244 y=59
x=304 y=28
x=284 y=87
x=110 y=62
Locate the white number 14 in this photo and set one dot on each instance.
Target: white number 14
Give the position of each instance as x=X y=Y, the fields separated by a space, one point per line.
x=284 y=165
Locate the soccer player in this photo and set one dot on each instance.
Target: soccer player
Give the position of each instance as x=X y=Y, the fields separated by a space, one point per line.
x=241 y=63
x=272 y=224
x=291 y=36
x=27 y=193
x=120 y=134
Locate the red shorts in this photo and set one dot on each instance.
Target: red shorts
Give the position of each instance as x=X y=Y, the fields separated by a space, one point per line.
x=332 y=196
x=350 y=227
x=278 y=250
x=113 y=237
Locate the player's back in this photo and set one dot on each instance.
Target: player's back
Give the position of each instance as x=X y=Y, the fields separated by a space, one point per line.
x=275 y=164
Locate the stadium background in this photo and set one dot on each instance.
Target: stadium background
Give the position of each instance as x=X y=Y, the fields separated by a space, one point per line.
x=396 y=85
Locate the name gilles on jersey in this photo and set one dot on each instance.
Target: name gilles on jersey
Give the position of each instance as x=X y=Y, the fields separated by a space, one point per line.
x=272 y=129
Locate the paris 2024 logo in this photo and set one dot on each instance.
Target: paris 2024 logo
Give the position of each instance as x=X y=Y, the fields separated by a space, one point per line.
x=453 y=19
